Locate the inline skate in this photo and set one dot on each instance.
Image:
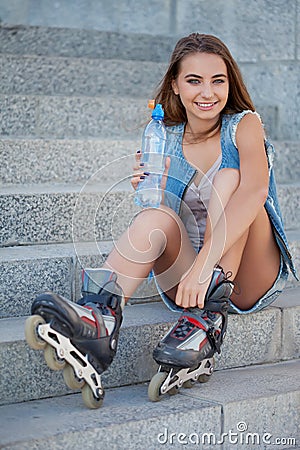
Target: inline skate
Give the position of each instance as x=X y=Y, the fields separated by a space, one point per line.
x=79 y=338
x=185 y=354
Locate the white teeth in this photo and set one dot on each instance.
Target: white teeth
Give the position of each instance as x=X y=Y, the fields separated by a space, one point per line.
x=205 y=105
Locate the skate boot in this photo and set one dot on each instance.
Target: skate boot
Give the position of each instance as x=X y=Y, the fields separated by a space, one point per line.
x=185 y=354
x=80 y=338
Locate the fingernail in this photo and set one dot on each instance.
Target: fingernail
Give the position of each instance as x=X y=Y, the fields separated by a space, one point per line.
x=139 y=151
x=146 y=173
x=142 y=177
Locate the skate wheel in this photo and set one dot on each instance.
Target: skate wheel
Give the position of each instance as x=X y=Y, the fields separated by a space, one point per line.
x=154 y=392
x=89 y=399
x=71 y=379
x=173 y=391
x=31 y=334
x=52 y=360
x=204 y=378
x=188 y=384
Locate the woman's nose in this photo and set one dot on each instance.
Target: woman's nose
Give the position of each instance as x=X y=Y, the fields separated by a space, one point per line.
x=206 y=91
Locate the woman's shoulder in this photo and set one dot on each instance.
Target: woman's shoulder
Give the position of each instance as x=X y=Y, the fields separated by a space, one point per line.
x=235 y=118
x=231 y=121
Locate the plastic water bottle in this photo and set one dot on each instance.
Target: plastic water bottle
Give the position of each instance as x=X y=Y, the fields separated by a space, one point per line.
x=148 y=193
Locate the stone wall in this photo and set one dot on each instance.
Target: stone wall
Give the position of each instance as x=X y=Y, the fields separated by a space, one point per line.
x=263 y=35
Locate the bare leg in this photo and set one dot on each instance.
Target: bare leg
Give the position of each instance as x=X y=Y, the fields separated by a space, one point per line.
x=254 y=259
x=156 y=240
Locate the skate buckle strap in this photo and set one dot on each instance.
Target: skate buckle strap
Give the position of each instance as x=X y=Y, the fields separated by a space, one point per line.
x=104 y=299
x=216 y=341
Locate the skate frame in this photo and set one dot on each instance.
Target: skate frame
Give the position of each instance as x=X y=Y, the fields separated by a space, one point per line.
x=65 y=350
x=182 y=375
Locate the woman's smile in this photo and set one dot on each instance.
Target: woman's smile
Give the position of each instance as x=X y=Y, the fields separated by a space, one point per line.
x=205 y=106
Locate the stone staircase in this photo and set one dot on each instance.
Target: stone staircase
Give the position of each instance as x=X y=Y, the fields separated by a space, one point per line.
x=73 y=105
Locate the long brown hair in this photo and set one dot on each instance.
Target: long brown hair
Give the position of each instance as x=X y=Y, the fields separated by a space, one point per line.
x=238 y=97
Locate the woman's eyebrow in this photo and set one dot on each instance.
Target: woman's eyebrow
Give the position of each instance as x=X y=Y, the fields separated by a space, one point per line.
x=218 y=75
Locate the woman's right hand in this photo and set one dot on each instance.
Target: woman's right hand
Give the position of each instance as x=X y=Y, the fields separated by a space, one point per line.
x=137 y=171
x=139 y=174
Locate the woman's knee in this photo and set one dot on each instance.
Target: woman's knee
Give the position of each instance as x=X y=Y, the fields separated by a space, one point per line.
x=163 y=218
x=226 y=180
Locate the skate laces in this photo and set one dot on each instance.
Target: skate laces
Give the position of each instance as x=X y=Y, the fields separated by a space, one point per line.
x=235 y=285
x=227 y=277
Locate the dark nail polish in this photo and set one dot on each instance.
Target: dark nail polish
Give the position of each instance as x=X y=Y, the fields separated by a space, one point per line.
x=146 y=173
x=142 y=164
x=142 y=177
x=139 y=151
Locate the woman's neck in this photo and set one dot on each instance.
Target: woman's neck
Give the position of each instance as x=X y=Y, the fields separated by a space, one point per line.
x=194 y=134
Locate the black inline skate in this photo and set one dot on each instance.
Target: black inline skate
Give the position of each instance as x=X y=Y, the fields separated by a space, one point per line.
x=79 y=338
x=185 y=354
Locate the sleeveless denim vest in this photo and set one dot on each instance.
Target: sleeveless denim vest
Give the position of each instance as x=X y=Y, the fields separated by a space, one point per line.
x=181 y=174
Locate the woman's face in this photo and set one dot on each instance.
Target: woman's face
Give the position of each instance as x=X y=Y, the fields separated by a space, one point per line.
x=203 y=86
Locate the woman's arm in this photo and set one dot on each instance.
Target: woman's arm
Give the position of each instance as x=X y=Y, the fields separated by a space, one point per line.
x=240 y=211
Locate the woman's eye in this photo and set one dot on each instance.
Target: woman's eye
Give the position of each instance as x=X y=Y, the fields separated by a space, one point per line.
x=219 y=81
x=191 y=81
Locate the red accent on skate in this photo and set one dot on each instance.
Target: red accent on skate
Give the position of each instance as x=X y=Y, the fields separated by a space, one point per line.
x=202 y=343
x=217 y=280
x=182 y=334
x=97 y=325
x=196 y=323
x=89 y=321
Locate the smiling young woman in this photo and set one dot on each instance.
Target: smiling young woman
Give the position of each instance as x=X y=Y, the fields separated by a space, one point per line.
x=219 y=225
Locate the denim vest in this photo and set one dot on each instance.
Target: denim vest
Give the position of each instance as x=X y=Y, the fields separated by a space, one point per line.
x=181 y=174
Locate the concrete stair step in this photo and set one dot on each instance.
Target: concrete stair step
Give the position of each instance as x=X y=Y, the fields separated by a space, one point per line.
x=269 y=336
x=65 y=161
x=47 y=212
x=64 y=213
x=40 y=75
x=80 y=43
x=73 y=117
x=29 y=270
x=76 y=160
x=256 y=406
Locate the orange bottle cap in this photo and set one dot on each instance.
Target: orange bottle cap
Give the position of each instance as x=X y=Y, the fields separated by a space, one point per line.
x=151 y=104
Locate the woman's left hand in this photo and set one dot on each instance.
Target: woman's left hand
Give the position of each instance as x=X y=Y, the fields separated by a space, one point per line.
x=191 y=290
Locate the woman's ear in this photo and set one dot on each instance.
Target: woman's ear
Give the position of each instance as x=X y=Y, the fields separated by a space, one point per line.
x=175 y=87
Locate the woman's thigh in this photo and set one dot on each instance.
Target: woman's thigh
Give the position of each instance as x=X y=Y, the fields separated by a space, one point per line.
x=259 y=265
